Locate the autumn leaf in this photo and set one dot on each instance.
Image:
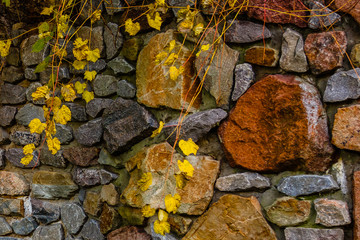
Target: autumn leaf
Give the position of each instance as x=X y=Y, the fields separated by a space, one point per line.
x=63 y=115
x=172 y=203
x=29 y=149
x=154 y=20
x=36 y=126
x=131 y=27
x=78 y=43
x=27 y=159
x=162 y=215
x=198 y=29
x=80 y=87
x=202 y=49
x=53 y=144
x=51 y=127
x=68 y=92
x=62 y=25
x=147 y=211
x=180 y=180
x=88 y=96
x=93 y=55
x=78 y=65
x=160 y=57
x=170 y=60
x=54 y=103
x=174 y=73
x=172 y=45
x=161 y=226
x=90 y=75
x=47 y=10
x=145 y=181
x=5 y=48
x=186 y=167
x=95 y=16
x=158 y=130
x=188 y=147
x=41 y=92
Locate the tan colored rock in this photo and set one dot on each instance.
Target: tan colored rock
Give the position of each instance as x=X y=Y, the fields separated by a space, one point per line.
x=355 y=55
x=92 y=203
x=109 y=194
x=13 y=184
x=232 y=218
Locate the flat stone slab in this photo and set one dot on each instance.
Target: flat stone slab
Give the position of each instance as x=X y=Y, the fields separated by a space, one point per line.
x=293 y=233
x=13 y=184
x=331 y=213
x=242 y=181
x=51 y=232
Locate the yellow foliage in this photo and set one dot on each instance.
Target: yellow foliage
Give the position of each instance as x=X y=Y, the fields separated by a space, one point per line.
x=188 y=147
x=36 y=126
x=78 y=43
x=162 y=215
x=131 y=27
x=90 y=75
x=198 y=29
x=145 y=181
x=88 y=96
x=54 y=103
x=172 y=203
x=80 y=87
x=46 y=111
x=160 y=56
x=62 y=115
x=172 y=45
x=174 y=73
x=29 y=149
x=53 y=144
x=147 y=211
x=41 y=92
x=202 y=49
x=51 y=127
x=47 y=10
x=80 y=48
x=180 y=181
x=93 y=55
x=160 y=2
x=5 y=48
x=27 y=159
x=68 y=92
x=171 y=59
x=161 y=227
x=158 y=130
x=63 y=26
x=185 y=25
x=78 y=65
x=186 y=167
x=154 y=20
x=95 y=16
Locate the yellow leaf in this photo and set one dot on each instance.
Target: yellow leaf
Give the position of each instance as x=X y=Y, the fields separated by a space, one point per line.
x=80 y=87
x=174 y=73
x=160 y=2
x=41 y=92
x=28 y=149
x=172 y=45
x=54 y=103
x=198 y=29
x=202 y=49
x=172 y=203
x=145 y=181
x=131 y=27
x=180 y=181
x=80 y=53
x=78 y=43
x=186 y=167
x=53 y=144
x=68 y=92
x=160 y=56
x=188 y=147
x=5 y=48
x=162 y=215
x=62 y=25
x=47 y=10
x=27 y=159
x=95 y=16
x=184 y=25
x=93 y=55
x=36 y=126
x=161 y=227
x=170 y=60
x=157 y=131
x=154 y=21
x=90 y=75
x=63 y=115
x=78 y=65
x=147 y=211
x=88 y=96
x=51 y=127
x=46 y=112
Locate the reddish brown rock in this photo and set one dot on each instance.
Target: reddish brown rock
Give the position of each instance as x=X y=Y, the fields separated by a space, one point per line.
x=325 y=50
x=13 y=184
x=349 y=6
x=129 y=232
x=279 y=11
x=356 y=203
x=154 y=87
x=279 y=123
x=262 y=56
x=345 y=133
x=232 y=218
x=82 y=156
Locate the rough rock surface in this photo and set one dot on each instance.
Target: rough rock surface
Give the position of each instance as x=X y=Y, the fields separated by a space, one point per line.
x=82 y=156
x=242 y=181
x=262 y=56
x=23 y=138
x=4 y=136
x=349 y=6
x=355 y=55
x=109 y=219
x=44 y=212
x=242 y=214
x=109 y=194
x=2 y=158
x=128 y=232
x=78 y=112
x=120 y=65
x=105 y=85
x=13 y=184
x=331 y=213
x=7 y=114
x=90 y=177
x=47 y=158
x=12 y=94
x=92 y=203
x=356 y=204
x=95 y=107
x=321 y=16
x=292 y=233
x=12 y=74
x=96 y=36
x=28 y=113
x=245 y=32
x=24 y=226
x=278 y=121
x=89 y=133
x=126 y=89
x=5 y=228
x=14 y=155
x=12 y=207
x=91 y=230
x=112 y=37
x=73 y=217
x=112 y=7
x=28 y=57
x=108 y=159
x=64 y=133
x=51 y=232
x=244 y=77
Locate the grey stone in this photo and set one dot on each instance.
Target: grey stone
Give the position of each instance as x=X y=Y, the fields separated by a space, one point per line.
x=306 y=184
x=12 y=74
x=61 y=73
x=28 y=57
x=126 y=123
x=2 y=158
x=28 y=113
x=44 y=212
x=321 y=16
x=126 y=89
x=293 y=233
x=97 y=105
x=12 y=94
x=91 y=231
x=179 y=3
x=5 y=228
x=89 y=133
x=24 y=138
x=331 y=213
x=97 y=66
x=89 y=8
x=245 y=32
x=242 y=181
x=342 y=86
x=120 y=65
x=56 y=160
x=7 y=114
x=11 y=207
x=112 y=37
x=32 y=88
x=113 y=6
x=9 y=238
x=106 y=158
x=30 y=74
x=244 y=77
x=14 y=155
x=51 y=232
x=91 y=177
x=4 y=136
x=24 y=226
x=105 y=85
x=64 y=133
x=73 y=217
x=96 y=35
x=293 y=58
x=78 y=113
x=196 y=125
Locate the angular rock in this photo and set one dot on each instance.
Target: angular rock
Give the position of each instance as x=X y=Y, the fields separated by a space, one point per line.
x=13 y=184
x=128 y=232
x=106 y=158
x=355 y=55
x=288 y=211
x=5 y=228
x=2 y=158
x=325 y=50
x=112 y=37
x=52 y=185
x=120 y=65
x=292 y=233
x=51 y=232
x=154 y=88
x=82 y=156
x=131 y=48
x=300 y=185
x=14 y=156
x=342 y=86
x=90 y=177
x=267 y=57
x=64 y=133
x=126 y=89
x=28 y=113
x=44 y=212
x=126 y=123
x=131 y=216
x=11 y=207
x=14 y=56
x=91 y=230
x=88 y=8
x=105 y=85
x=95 y=34
x=12 y=74
x=252 y=141
x=47 y=158
x=293 y=58
x=155 y=159
x=97 y=66
x=245 y=32
x=30 y=74
x=321 y=16
x=179 y=224
x=242 y=181
x=24 y=138
x=109 y=219
x=244 y=77
x=62 y=73
x=113 y=6
x=95 y=107
x=12 y=94
x=331 y=213
x=195 y=126
x=32 y=88
x=28 y=57
x=349 y=6
x=243 y=214
x=4 y=136
x=89 y=133
x=109 y=194
x=24 y=226
x=7 y=114
x=73 y=217
x=78 y=112
x=92 y=203
x=356 y=204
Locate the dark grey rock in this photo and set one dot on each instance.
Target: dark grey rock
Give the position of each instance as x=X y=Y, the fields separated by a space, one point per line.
x=5 y=228
x=73 y=217
x=321 y=16
x=112 y=36
x=306 y=184
x=196 y=125
x=120 y=65
x=91 y=231
x=11 y=207
x=12 y=74
x=245 y=32
x=14 y=56
x=28 y=113
x=4 y=136
x=14 y=155
x=106 y=158
x=91 y=177
x=126 y=123
x=342 y=86
x=96 y=35
x=30 y=74
x=12 y=94
x=89 y=8
x=24 y=138
x=244 y=77
x=28 y=57
x=32 y=88
x=293 y=233
x=97 y=105
x=126 y=89
x=97 y=66
x=7 y=114
x=56 y=160
x=51 y=232
x=64 y=133
x=2 y=158
x=78 y=113
x=331 y=213
x=113 y=6
x=24 y=226
x=179 y=3
x=242 y=181
x=89 y=133
x=44 y=212
x=105 y=85
x=62 y=73
x=293 y=58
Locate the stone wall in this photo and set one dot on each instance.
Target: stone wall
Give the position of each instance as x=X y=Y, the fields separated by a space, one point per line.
x=276 y=121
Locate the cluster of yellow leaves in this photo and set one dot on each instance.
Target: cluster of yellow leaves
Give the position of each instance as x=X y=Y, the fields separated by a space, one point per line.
x=28 y=152
x=53 y=144
x=63 y=25
x=82 y=52
x=147 y=211
x=186 y=19
x=95 y=16
x=68 y=92
x=186 y=169
x=145 y=181
x=36 y=126
x=162 y=226
x=62 y=115
x=158 y=130
x=5 y=48
x=172 y=203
